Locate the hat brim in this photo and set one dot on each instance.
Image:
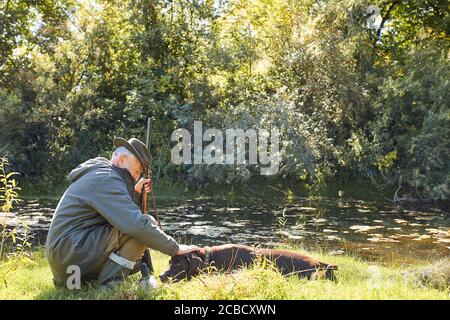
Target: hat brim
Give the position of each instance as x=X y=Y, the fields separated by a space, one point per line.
x=121 y=142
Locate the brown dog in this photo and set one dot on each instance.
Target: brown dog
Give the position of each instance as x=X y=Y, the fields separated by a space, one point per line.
x=231 y=256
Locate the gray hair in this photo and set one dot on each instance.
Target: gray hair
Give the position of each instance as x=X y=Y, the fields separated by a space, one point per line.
x=122 y=151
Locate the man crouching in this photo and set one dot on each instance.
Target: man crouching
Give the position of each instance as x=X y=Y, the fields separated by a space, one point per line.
x=98 y=225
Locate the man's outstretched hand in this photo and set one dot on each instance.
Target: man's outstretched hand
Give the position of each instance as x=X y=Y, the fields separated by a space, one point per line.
x=183 y=249
x=147 y=183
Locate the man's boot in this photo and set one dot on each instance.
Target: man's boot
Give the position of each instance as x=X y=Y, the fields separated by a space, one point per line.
x=116 y=269
x=148 y=280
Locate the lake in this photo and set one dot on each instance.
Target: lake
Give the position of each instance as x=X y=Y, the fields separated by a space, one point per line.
x=371 y=230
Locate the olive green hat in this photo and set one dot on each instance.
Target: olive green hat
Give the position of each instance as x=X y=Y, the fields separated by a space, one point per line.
x=136 y=147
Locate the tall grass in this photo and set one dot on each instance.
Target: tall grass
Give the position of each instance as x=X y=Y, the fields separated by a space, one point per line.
x=12 y=242
x=356 y=280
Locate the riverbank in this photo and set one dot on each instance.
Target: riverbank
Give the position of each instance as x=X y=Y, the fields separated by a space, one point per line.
x=357 y=279
x=164 y=189
x=256 y=190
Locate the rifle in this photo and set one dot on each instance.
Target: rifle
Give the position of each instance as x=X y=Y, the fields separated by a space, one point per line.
x=146 y=258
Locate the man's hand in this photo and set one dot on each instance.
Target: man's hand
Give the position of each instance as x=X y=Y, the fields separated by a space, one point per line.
x=183 y=249
x=147 y=183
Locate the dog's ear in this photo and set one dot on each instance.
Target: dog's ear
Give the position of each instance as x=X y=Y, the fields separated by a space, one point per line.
x=195 y=265
x=189 y=266
x=199 y=261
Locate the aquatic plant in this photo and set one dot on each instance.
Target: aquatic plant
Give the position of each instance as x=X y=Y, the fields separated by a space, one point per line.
x=10 y=234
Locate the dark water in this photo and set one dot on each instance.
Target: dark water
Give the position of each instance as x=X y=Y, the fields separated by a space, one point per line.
x=370 y=230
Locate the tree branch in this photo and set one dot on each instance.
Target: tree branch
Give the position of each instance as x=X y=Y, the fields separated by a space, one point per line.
x=384 y=19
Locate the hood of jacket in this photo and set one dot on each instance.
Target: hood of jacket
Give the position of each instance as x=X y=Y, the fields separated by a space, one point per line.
x=87 y=166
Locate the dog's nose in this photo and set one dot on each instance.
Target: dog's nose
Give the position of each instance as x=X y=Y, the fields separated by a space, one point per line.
x=163 y=277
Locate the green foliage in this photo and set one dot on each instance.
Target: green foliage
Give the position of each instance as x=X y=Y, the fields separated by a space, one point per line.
x=8 y=187
x=385 y=162
x=10 y=236
x=349 y=102
x=412 y=118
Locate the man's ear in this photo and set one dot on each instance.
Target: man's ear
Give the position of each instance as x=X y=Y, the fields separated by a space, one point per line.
x=122 y=159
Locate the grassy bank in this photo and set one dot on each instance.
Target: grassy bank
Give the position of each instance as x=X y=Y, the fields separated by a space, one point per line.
x=257 y=189
x=164 y=189
x=356 y=280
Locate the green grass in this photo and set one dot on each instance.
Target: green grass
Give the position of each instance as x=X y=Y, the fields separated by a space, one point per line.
x=356 y=280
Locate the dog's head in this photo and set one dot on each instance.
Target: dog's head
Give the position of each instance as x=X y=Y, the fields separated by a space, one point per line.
x=183 y=267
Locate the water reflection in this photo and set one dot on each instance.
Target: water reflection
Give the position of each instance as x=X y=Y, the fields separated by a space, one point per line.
x=371 y=230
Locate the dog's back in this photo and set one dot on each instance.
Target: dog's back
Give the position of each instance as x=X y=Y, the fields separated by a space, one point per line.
x=289 y=262
x=232 y=256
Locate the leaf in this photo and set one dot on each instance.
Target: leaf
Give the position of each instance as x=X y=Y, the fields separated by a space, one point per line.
x=29 y=260
x=10 y=175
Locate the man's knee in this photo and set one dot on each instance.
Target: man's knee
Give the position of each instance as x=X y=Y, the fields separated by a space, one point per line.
x=124 y=244
x=131 y=249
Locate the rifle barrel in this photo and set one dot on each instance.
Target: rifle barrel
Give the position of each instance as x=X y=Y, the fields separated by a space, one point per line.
x=148 y=173
x=147 y=170
x=148 y=142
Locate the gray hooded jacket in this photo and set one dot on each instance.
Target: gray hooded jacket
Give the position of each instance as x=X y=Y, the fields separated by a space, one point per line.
x=100 y=197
